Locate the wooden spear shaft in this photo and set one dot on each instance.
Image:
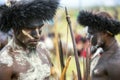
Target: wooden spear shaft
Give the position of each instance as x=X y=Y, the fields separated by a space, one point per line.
x=74 y=45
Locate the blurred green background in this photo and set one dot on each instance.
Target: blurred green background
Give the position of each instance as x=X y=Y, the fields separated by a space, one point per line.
x=62 y=28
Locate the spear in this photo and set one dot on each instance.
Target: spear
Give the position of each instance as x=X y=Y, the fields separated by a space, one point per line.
x=74 y=45
x=61 y=55
x=88 y=64
x=65 y=68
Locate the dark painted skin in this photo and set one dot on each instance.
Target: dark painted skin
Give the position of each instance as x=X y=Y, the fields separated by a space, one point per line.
x=108 y=66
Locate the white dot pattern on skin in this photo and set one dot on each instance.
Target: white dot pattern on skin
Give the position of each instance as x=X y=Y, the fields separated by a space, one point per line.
x=5 y=58
x=38 y=70
x=96 y=71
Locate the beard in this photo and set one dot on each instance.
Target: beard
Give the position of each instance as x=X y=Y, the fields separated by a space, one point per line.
x=32 y=51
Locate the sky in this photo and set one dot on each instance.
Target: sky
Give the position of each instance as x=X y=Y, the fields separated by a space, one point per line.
x=2 y=1
x=84 y=3
x=88 y=3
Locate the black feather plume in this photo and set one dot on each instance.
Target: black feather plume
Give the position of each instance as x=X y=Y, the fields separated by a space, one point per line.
x=99 y=23
x=21 y=12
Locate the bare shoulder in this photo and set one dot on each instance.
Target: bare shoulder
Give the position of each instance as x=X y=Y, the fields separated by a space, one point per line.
x=5 y=57
x=41 y=47
x=5 y=72
x=113 y=66
x=115 y=58
x=5 y=66
x=43 y=51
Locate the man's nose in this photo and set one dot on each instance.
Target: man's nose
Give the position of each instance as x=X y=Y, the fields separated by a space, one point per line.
x=35 y=33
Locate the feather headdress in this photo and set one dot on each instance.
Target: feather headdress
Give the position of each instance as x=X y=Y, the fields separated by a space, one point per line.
x=22 y=12
x=99 y=22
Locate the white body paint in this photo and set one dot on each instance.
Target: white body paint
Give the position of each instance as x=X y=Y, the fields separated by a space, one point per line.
x=37 y=70
x=5 y=58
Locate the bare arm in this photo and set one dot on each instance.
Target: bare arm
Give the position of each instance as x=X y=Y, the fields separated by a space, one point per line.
x=5 y=72
x=100 y=73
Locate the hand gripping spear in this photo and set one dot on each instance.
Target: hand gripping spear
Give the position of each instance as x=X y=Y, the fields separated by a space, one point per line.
x=74 y=45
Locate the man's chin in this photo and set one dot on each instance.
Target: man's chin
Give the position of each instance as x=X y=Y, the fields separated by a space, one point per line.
x=32 y=44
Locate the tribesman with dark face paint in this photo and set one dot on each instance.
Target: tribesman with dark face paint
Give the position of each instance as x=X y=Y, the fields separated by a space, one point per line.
x=24 y=57
x=103 y=29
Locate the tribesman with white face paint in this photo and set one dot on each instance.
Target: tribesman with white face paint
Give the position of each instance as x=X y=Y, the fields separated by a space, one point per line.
x=24 y=57
x=103 y=28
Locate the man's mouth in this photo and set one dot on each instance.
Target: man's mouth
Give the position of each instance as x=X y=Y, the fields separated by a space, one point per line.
x=33 y=41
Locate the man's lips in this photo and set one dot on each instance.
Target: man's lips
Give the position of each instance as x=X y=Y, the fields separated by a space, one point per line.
x=33 y=40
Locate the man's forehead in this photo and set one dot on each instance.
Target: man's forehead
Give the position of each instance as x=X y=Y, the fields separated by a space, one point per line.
x=34 y=23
